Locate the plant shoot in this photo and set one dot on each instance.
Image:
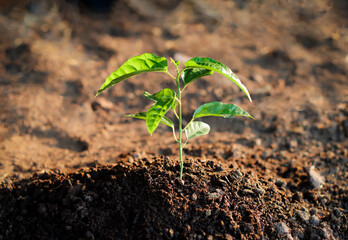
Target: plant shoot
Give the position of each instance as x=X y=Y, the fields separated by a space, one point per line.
x=170 y=100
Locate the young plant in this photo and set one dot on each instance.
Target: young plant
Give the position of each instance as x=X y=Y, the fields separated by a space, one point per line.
x=168 y=99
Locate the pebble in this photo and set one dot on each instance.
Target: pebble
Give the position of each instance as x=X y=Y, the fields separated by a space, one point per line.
x=214 y=195
x=247 y=192
x=258 y=142
x=228 y=237
x=283 y=230
x=302 y=215
x=194 y=197
x=293 y=143
x=171 y=233
x=102 y=103
x=208 y=212
x=68 y=228
x=88 y=198
x=89 y=235
x=315 y=178
x=314 y=220
x=327 y=233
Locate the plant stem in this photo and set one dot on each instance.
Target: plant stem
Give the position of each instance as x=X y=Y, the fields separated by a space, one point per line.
x=180 y=125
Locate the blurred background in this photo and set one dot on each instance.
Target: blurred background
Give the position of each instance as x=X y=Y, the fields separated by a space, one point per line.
x=291 y=55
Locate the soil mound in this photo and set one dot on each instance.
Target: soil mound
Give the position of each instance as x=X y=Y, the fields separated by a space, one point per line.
x=146 y=200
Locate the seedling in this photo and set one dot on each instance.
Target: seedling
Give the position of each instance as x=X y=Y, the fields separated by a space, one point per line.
x=168 y=99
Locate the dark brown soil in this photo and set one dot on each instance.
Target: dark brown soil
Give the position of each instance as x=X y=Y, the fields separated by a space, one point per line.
x=73 y=167
x=147 y=200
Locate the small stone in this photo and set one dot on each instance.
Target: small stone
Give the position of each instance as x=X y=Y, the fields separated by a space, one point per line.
x=247 y=192
x=102 y=103
x=130 y=159
x=208 y=212
x=265 y=154
x=315 y=236
x=283 y=230
x=214 y=195
x=302 y=215
x=88 y=198
x=327 y=233
x=314 y=220
x=293 y=144
x=228 y=237
x=171 y=233
x=258 y=142
x=179 y=181
x=194 y=197
x=315 y=178
x=89 y=235
x=68 y=228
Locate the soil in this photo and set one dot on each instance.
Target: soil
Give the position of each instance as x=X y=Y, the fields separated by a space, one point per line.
x=73 y=167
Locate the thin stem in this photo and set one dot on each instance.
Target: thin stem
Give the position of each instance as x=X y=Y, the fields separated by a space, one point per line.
x=180 y=125
x=176 y=115
x=174 y=134
x=169 y=74
x=188 y=124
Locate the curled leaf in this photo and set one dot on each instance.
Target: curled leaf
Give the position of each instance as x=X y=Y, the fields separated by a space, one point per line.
x=213 y=65
x=192 y=74
x=196 y=129
x=163 y=95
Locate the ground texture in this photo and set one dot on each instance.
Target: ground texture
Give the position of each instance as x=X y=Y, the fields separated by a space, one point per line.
x=73 y=167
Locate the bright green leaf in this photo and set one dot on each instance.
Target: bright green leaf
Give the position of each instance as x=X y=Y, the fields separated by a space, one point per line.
x=163 y=95
x=196 y=129
x=165 y=100
x=146 y=62
x=191 y=74
x=219 y=109
x=213 y=65
x=142 y=115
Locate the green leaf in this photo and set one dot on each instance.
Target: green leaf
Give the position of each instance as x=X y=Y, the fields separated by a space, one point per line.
x=142 y=115
x=196 y=129
x=163 y=95
x=146 y=62
x=176 y=63
x=191 y=74
x=213 y=65
x=165 y=100
x=219 y=109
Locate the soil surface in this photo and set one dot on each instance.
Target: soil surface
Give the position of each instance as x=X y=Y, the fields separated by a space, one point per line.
x=73 y=167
